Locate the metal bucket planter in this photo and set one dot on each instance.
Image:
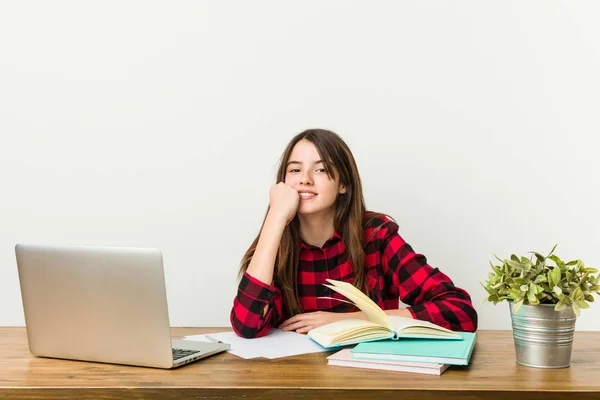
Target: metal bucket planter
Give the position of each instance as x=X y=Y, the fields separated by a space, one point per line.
x=543 y=337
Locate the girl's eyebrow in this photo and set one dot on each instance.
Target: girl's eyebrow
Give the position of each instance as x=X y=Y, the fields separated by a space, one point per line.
x=298 y=162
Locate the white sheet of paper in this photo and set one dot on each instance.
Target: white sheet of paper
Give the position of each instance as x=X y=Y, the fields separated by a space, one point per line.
x=275 y=344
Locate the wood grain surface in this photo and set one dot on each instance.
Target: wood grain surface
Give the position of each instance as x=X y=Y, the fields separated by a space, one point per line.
x=492 y=374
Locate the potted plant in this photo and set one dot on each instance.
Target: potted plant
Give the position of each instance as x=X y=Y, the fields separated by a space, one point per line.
x=545 y=296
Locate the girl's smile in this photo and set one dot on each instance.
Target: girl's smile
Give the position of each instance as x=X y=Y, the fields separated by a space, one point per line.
x=306 y=194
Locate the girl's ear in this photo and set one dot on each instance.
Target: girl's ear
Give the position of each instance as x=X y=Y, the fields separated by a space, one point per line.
x=342 y=189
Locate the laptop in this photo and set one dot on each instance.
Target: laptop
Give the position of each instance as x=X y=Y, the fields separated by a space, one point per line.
x=101 y=304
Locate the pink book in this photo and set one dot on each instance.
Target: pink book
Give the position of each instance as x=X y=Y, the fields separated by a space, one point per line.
x=343 y=358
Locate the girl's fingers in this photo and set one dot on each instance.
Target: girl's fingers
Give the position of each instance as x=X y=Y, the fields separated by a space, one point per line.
x=305 y=329
x=296 y=318
x=294 y=326
x=292 y=320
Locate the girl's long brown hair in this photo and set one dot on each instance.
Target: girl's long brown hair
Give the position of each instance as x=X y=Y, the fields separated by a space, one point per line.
x=349 y=221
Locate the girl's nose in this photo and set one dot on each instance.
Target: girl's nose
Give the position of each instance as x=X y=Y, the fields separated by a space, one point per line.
x=306 y=179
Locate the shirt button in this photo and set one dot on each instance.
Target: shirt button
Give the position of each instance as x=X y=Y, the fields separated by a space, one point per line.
x=268 y=295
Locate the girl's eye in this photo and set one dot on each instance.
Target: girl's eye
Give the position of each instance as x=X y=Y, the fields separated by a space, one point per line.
x=294 y=170
x=321 y=170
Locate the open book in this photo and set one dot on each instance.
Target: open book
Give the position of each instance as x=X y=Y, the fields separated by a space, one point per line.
x=378 y=326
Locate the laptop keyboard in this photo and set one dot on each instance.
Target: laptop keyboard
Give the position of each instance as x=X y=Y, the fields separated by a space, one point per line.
x=180 y=353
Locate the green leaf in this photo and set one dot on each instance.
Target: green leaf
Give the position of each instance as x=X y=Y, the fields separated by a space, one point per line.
x=498 y=258
x=560 y=306
x=540 y=279
x=590 y=270
x=552 y=251
x=486 y=288
x=555 y=275
x=576 y=309
x=584 y=277
x=589 y=297
x=515 y=294
x=514 y=258
x=540 y=266
x=551 y=281
x=547 y=296
x=538 y=289
x=538 y=256
x=564 y=299
x=496 y=269
x=557 y=260
x=514 y=264
x=518 y=305
x=557 y=290
x=531 y=297
x=582 y=304
x=524 y=288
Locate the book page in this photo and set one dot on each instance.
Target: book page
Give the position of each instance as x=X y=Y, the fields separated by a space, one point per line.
x=408 y=326
x=373 y=312
x=343 y=325
x=347 y=331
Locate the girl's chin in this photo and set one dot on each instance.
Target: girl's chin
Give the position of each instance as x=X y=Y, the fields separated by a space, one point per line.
x=311 y=210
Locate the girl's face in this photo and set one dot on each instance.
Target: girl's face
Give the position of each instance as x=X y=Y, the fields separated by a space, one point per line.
x=305 y=172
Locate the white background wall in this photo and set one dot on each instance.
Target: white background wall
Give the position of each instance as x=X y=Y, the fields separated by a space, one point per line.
x=160 y=124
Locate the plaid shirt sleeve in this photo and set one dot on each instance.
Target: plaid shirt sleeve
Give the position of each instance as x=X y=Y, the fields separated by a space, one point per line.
x=246 y=316
x=430 y=293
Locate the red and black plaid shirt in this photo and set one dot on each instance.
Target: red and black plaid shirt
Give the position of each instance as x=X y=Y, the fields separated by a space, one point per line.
x=394 y=271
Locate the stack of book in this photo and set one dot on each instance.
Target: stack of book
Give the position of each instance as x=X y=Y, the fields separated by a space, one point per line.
x=343 y=358
x=391 y=343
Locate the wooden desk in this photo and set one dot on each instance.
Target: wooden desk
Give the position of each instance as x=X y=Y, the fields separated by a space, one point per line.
x=493 y=374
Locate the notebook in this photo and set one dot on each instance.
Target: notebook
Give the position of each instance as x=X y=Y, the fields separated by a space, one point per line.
x=102 y=304
x=343 y=358
x=454 y=352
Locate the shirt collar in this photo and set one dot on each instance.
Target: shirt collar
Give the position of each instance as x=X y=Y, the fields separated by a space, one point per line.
x=330 y=242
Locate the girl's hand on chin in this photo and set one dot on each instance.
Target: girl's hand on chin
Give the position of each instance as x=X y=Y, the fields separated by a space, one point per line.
x=284 y=201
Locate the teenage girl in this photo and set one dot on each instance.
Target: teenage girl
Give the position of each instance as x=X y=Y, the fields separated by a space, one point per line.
x=317 y=228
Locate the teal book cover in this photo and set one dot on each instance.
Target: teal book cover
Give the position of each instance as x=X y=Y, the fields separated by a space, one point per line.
x=454 y=352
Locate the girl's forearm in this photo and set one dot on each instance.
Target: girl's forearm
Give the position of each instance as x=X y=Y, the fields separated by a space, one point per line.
x=262 y=264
